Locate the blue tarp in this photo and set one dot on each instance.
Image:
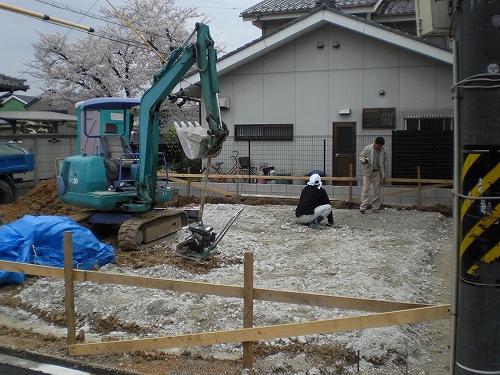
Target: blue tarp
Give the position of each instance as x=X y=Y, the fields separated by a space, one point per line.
x=40 y=240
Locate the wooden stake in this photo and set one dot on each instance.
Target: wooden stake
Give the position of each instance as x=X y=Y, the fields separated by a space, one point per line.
x=248 y=308
x=350 y=183
x=69 y=296
x=419 y=188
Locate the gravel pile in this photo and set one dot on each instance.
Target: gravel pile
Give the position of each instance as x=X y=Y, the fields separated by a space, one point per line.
x=392 y=255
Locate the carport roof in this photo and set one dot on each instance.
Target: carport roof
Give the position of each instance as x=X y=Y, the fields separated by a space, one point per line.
x=47 y=116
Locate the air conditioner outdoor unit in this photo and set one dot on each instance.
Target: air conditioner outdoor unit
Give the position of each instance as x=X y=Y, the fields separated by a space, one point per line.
x=433 y=17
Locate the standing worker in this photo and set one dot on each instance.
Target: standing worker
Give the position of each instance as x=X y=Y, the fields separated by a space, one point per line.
x=314 y=204
x=373 y=160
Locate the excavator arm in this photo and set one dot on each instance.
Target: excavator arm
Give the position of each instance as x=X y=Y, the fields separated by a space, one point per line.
x=197 y=143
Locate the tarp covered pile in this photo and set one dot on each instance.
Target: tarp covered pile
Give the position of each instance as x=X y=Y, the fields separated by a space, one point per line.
x=40 y=240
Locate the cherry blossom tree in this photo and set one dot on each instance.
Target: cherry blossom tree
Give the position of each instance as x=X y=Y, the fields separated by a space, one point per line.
x=113 y=61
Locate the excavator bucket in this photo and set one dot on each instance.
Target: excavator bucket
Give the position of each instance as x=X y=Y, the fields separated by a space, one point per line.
x=195 y=140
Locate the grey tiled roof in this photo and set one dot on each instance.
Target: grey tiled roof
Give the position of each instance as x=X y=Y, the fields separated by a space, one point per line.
x=273 y=6
x=12 y=84
x=286 y=6
x=398 y=8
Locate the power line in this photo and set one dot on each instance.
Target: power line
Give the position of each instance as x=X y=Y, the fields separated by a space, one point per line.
x=94 y=16
x=79 y=11
x=126 y=42
x=87 y=13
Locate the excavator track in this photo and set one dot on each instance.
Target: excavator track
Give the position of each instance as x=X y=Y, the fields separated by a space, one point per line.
x=150 y=228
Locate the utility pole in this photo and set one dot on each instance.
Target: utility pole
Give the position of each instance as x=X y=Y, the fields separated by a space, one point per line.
x=44 y=17
x=476 y=309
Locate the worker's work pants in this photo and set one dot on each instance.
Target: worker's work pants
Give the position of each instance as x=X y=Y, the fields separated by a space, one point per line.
x=375 y=178
x=322 y=211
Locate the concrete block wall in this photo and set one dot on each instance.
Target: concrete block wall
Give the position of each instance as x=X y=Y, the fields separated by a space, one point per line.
x=400 y=196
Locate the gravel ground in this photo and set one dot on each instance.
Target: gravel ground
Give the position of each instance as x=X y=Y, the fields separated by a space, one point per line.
x=399 y=255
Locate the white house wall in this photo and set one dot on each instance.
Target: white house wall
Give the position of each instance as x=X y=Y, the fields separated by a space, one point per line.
x=348 y=98
x=301 y=84
x=274 y=86
x=444 y=82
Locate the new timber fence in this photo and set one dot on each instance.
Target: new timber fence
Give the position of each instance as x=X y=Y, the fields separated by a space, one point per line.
x=345 y=188
x=383 y=312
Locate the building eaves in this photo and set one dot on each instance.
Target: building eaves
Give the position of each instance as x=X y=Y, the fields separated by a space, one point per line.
x=36 y=116
x=298 y=6
x=291 y=30
x=11 y=84
x=358 y=19
x=24 y=99
x=27 y=98
x=279 y=6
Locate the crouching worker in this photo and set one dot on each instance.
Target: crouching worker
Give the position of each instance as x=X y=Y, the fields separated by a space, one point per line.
x=314 y=204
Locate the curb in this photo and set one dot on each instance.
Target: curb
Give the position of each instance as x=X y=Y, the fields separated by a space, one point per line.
x=64 y=362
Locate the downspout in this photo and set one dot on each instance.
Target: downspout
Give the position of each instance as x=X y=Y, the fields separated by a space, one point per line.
x=419 y=20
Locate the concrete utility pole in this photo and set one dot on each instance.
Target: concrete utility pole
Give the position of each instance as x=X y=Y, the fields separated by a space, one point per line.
x=477 y=307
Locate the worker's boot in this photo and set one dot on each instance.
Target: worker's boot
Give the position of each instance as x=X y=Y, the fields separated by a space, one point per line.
x=316 y=223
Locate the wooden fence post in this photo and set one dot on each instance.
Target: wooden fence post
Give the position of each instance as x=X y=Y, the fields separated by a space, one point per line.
x=248 y=308
x=69 y=296
x=189 y=183
x=419 y=188
x=350 y=183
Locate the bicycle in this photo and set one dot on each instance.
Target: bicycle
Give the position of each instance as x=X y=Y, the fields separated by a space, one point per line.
x=217 y=167
x=241 y=165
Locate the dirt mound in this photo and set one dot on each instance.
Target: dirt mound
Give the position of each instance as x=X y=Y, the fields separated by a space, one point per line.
x=41 y=200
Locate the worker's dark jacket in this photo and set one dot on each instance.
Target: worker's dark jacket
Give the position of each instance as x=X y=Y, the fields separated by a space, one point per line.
x=310 y=198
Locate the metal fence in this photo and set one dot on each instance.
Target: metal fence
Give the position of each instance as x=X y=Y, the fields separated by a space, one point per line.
x=410 y=154
x=296 y=158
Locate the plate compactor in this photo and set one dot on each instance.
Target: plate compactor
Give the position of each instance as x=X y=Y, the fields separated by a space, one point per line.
x=202 y=242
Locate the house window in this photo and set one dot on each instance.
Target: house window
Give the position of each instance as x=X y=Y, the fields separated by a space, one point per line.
x=379 y=118
x=428 y=122
x=263 y=132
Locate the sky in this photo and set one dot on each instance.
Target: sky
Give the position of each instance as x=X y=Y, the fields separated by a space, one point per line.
x=18 y=31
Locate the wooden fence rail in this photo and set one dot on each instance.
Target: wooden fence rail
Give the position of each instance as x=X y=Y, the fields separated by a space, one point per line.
x=187 y=178
x=387 y=312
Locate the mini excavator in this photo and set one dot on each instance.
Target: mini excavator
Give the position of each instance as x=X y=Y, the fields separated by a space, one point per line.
x=121 y=185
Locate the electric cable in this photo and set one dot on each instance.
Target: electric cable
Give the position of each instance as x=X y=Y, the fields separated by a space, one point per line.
x=475 y=198
x=487 y=77
x=97 y=17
